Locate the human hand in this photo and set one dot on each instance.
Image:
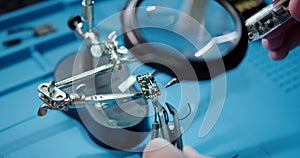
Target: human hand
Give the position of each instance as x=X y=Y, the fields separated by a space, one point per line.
x=158 y=148
x=286 y=37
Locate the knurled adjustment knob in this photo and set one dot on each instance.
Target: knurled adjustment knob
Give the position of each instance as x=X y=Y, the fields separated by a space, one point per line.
x=74 y=21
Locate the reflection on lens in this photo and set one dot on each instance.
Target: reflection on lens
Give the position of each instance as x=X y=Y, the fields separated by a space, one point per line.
x=194 y=28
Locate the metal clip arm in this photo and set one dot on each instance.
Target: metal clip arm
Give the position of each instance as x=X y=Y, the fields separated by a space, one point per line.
x=171 y=134
x=177 y=131
x=85 y=76
x=58 y=100
x=115 y=96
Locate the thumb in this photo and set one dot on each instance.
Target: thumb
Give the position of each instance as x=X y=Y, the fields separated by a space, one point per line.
x=160 y=148
x=291 y=40
x=294 y=7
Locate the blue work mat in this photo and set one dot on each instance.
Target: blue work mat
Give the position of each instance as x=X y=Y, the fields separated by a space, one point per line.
x=259 y=117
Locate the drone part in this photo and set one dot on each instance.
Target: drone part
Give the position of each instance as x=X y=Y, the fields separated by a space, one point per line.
x=148 y=85
x=268 y=19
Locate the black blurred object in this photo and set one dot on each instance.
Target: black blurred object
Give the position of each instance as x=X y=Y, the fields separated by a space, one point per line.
x=11 y=5
x=248 y=7
x=37 y=31
x=12 y=42
x=74 y=21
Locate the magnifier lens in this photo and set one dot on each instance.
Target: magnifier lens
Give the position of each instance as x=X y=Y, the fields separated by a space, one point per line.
x=201 y=32
x=198 y=29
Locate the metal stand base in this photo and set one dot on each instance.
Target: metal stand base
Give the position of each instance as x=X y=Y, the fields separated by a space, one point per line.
x=121 y=126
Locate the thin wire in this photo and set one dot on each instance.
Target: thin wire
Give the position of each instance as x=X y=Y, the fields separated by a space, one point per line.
x=188 y=114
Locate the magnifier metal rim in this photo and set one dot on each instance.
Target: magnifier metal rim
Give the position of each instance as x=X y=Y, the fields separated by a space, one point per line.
x=133 y=37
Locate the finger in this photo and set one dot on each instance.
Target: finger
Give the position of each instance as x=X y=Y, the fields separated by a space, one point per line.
x=278 y=54
x=158 y=147
x=294 y=7
x=292 y=39
x=272 y=44
x=275 y=41
x=192 y=153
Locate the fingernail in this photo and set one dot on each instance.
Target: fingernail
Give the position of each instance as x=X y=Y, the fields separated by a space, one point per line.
x=265 y=43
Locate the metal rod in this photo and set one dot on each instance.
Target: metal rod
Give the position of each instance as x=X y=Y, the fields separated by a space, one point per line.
x=87 y=15
x=84 y=76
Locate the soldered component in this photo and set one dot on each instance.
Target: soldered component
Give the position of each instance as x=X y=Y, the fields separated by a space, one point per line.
x=148 y=85
x=268 y=19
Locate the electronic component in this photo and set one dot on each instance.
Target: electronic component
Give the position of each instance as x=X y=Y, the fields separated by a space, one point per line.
x=148 y=85
x=151 y=91
x=268 y=19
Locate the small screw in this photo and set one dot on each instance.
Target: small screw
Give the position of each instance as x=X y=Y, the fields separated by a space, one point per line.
x=112 y=123
x=101 y=106
x=59 y=97
x=45 y=87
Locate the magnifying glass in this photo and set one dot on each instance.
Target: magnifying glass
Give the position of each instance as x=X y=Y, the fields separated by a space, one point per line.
x=190 y=40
